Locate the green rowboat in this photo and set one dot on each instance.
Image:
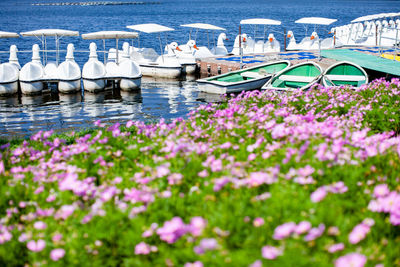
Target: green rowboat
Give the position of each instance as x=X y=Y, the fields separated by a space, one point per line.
x=345 y=73
x=242 y=80
x=299 y=77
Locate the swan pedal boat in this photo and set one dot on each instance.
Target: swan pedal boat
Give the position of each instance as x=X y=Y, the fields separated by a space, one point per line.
x=344 y=73
x=242 y=80
x=164 y=66
x=298 y=77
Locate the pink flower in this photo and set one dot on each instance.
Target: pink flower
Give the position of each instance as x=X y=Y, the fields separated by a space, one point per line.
x=358 y=233
x=197 y=224
x=194 y=264
x=335 y=247
x=172 y=230
x=203 y=173
x=36 y=246
x=257 y=263
x=270 y=252
x=258 y=222
x=162 y=170
x=57 y=237
x=318 y=195
x=129 y=124
x=39 y=225
x=302 y=227
x=315 y=232
x=142 y=248
x=283 y=231
x=351 y=259
x=206 y=244
x=57 y=254
x=1 y=167
x=381 y=190
x=65 y=211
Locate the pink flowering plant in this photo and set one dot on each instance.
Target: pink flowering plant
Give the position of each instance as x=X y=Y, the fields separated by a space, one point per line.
x=301 y=179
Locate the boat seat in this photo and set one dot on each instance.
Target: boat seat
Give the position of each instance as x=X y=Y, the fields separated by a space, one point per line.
x=249 y=74
x=294 y=78
x=357 y=78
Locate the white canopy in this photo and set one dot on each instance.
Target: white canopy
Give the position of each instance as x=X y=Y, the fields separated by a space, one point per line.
x=50 y=32
x=260 y=22
x=376 y=16
x=316 y=20
x=110 y=35
x=150 y=28
x=8 y=35
x=203 y=26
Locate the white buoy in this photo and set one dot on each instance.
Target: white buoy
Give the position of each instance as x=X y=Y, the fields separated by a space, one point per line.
x=32 y=74
x=69 y=73
x=94 y=72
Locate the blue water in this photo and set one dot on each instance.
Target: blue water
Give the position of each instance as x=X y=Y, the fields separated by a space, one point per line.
x=24 y=115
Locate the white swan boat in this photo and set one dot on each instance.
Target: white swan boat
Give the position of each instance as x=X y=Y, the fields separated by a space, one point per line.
x=261 y=44
x=211 y=48
x=32 y=74
x=9 y=71
x=313 y=42
x=151 y=64
x=240 y=43
x=186 y=57
x=93 y=72
x=220 y=49
x=50 y=67
x=120 y=67
x=69 y=73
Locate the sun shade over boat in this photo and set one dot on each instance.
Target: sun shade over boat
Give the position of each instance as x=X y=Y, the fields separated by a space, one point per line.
x=203 y=26
x=260 y=22
x=50 y=32
x=376 y=16
x=150 y=28
x=316 y=20
x=8 y=34
x=110 y=35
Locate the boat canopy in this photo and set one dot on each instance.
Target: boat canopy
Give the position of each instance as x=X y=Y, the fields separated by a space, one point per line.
x=316 y=20
x=8 y=34
x=203 y=26
x=50 y=32
x=150 y=28
x=110 y=35
x=376 y=16
x=260 y=22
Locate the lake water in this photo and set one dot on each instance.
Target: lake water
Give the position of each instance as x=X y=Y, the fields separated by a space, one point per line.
x=22 y=115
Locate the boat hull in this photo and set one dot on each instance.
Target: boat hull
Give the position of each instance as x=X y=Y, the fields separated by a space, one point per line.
x=161 y=71
x=220 y=88
x=8 y=88
x=31 y=88
x=242 y=80
x=298 y=77
x=189 y=69
x=344 y=73
x=94 y=86
x=69 y=86
x=127 y=84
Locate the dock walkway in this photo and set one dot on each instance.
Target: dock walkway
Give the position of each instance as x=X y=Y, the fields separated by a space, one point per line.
x=366 y=61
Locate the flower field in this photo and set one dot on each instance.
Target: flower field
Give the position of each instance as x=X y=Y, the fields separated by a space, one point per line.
x=306 y=179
